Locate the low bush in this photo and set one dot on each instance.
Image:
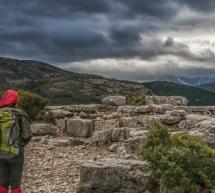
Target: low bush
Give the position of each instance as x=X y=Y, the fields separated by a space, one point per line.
x=31 y=103
x=180 y=160
x=137 y=100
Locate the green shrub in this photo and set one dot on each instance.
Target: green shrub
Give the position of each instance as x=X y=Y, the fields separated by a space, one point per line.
x=179 y=161
x=31 y=103
x=138 y=100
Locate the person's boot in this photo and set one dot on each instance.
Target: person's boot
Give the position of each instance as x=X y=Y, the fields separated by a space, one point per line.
x=3 y=189
x=17 y=190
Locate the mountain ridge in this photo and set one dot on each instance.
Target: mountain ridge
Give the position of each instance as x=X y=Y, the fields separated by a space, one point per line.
x=61 y=86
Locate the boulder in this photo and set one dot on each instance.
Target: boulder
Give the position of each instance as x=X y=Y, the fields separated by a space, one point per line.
x=119 y=134
x=114 y=100
x=128 y=122
x=158 y=109
x=56 y=114
x=61 y=123
x=177 y=101
x=178 y=113
x=80 y=127
x=90 y=108
x=144 y=109
x=202 y=110
x=106 y=136
x=133 y=145
x=173 y=100
x=59 y=142
x=111 y=175
x=102 y=137
x=169 y=119
x=205 y=130
x=148 y=121
x=191 y=120
x=173 y=117
x=44 y=129
x=126 y=109
x=101 y=124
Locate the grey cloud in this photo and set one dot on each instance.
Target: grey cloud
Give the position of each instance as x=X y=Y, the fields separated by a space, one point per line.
x=60 y=31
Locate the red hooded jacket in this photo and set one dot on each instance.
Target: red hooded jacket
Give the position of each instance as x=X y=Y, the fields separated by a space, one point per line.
x=9 y=99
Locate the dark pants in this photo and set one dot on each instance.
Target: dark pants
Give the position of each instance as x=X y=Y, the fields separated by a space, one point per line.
x=11 y=171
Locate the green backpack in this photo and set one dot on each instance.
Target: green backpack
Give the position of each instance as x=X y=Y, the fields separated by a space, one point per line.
x=9 y=132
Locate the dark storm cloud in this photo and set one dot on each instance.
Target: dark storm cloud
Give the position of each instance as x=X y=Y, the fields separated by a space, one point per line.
x=58 y=31
x=204 y=6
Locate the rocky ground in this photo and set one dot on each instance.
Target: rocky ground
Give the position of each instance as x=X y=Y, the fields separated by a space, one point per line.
x=55 y=168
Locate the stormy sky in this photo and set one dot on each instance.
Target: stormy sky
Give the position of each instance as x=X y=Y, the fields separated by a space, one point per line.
x=126 y=39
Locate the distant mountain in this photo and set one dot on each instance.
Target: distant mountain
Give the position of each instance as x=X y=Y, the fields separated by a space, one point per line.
x=195 y=96
x=209 y=86
x=60 y=86
x=196 y=81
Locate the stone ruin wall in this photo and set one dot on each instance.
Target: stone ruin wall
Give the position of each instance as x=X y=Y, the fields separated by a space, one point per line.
x=122 y=129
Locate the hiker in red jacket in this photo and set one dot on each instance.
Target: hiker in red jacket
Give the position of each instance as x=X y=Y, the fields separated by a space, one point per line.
x=15 y=133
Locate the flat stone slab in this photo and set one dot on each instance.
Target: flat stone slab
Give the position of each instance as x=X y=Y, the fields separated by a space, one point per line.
x=44 y=129
x=79 y=127
x=112 y=175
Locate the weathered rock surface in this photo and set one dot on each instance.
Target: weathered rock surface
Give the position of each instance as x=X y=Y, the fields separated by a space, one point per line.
x=173 y=100
x=205 y=130
x=44 y=129
x=80 y=127
x=107 y=136
x=114 y=175
x=114 y=100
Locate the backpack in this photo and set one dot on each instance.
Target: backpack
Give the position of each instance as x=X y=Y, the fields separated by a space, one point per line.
x=9 y=134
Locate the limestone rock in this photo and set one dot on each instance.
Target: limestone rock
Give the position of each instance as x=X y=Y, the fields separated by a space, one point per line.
x=133 y=145
x=206 y=131
x=106 y=136
x=119 y=134
x=88 y=108
x=144 y=109
x=60 y=142
x=177 y=100
x=102 y=137
x=126 y=109
x=114 y=175
x=168 y=119
x=44 y=129
x=159 y=109
x=114 y=100
x=101 y=124
x=128 y=122
x=173 y=100
x=191 y=121
x=80 y=127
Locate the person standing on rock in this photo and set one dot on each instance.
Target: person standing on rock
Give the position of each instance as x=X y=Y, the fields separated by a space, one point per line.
x=15 y=133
